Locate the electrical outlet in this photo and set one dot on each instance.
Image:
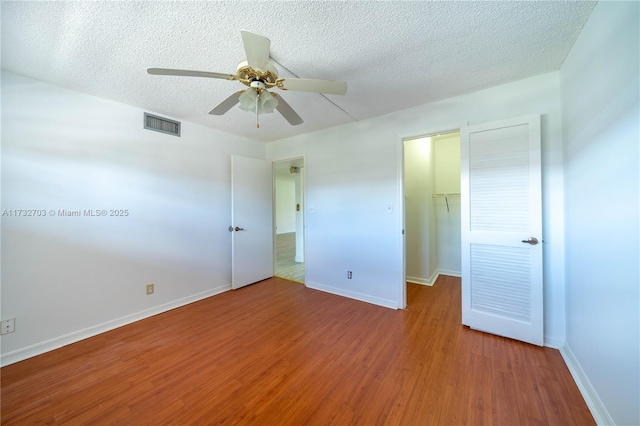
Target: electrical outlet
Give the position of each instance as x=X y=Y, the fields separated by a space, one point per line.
x=349 y=274
x=8 y=325
x=150 y=288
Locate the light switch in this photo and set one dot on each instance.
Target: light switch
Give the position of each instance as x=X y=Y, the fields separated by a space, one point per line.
x=312 y=210
x=389 y=208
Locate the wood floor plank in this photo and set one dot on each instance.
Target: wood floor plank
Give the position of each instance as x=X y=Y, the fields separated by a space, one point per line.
x=480 y=399
x=277 y=352
x=505 y=402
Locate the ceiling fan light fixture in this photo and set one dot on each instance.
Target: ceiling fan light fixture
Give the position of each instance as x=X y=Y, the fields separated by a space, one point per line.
x=264 y=101
x=267 y=103
x=248 y=100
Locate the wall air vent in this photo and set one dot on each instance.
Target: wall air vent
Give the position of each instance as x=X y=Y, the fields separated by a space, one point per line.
x=161 y=124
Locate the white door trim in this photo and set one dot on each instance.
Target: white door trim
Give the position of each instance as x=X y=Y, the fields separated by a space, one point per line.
x=402 y=282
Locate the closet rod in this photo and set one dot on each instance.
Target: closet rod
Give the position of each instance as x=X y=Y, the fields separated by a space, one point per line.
x=446 y=198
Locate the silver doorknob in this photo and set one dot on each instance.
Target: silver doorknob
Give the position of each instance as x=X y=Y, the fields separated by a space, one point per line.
x=242 y=229
x=532 y=240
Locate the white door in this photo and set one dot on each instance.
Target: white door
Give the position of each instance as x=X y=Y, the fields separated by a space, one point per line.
x=252 y=224
x=502 y=228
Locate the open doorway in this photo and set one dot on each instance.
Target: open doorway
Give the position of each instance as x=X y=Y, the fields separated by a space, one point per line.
x=289 y=219
x=432 y=207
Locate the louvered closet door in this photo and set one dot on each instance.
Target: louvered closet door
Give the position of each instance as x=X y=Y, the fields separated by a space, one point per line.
x=501 y=222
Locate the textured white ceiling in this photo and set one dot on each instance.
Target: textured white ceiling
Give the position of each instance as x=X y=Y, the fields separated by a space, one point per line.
x=393 y=55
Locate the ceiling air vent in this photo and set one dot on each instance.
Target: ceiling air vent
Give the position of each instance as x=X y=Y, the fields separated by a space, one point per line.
x=161 y=124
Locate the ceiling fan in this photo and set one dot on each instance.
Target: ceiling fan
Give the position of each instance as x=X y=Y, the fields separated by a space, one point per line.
x=260 y=75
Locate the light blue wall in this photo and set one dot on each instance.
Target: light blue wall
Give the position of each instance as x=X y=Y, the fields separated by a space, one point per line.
x=353 y=174
x=599 y=83
x=67 y=278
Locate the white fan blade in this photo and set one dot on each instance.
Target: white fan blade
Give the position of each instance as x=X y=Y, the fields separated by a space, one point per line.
x=189 y=73
x=287 y=112
x=227 y=104
x=257 y=49
x=311 y=85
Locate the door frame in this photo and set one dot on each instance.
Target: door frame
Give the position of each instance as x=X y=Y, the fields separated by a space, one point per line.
x=402 y=291
x=299 y=158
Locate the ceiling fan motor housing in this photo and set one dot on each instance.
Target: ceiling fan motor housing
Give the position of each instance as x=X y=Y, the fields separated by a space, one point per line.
x=248 y=75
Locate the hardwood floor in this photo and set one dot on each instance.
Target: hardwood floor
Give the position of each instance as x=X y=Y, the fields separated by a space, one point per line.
x=279 y=353
x=286 y=266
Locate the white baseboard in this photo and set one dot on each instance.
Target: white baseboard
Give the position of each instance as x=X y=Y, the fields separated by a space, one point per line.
x=353 y=295
x=432 y=280
x=422 y=281
x=76 y=336
x=597 y=408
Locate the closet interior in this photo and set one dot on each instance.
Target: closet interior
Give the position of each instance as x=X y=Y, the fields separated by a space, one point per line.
x=432 y=207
